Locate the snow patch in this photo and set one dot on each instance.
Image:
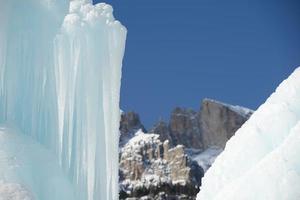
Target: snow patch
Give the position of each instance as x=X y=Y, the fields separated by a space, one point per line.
x=245 y=112
x=205 y=158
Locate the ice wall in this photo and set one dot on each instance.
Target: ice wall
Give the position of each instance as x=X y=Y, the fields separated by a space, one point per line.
x=262 y=160
x=60 y=71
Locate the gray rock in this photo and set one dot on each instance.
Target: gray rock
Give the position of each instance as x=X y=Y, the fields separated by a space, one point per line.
x=220 y=121
x=130 y=123
x=185 y=129
x=162 y=129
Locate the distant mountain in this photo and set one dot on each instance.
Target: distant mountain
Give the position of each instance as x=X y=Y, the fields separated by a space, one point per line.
x=212 y=125
x=169 y=161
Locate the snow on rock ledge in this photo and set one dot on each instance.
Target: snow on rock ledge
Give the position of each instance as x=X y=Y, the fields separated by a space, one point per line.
x=262 y=160
x=150 y=167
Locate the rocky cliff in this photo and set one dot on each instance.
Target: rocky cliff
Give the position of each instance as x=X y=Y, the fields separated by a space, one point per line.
x=149 y=167
x=130 y=123
x=219 y=121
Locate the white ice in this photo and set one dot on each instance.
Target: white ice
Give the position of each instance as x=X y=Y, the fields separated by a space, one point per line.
x=262 y=160
x=60 y=72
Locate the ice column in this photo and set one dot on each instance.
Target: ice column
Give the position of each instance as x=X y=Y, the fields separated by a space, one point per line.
x=88 y=55
x=60 y=73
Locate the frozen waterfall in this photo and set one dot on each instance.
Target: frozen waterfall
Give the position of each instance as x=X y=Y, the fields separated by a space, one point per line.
x=60 y=72
x=262 y=160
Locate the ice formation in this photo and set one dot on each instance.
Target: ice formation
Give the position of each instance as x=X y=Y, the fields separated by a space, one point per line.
x=60 y=71
x=262 y=160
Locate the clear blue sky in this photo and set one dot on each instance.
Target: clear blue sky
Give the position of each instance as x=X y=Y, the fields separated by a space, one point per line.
x=179 y=52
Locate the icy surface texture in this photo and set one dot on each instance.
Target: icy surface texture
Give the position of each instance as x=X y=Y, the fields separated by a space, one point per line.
x=262 y=160
x=60 y=71
x=28 y=170
x=14 y=191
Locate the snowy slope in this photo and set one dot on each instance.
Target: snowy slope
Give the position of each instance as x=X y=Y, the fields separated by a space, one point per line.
x=262 y=160
x=28 y=171
x=205 y=158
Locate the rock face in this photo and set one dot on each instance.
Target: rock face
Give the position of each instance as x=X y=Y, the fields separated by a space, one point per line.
x=130 y=123
x=149 y=167
x=220 y=121
x=185 y=128
x=213 y=125
x=162 y=129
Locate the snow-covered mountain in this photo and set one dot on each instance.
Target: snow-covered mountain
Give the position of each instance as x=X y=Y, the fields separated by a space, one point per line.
x=148 y=165
x=262 y=160
x=168 y=161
